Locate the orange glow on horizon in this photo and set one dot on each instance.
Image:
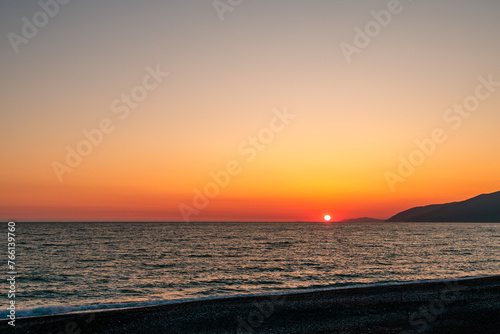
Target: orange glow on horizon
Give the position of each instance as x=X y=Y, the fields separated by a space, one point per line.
x=208 y=137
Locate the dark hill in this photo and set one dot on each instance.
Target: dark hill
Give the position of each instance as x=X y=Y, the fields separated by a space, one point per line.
x=482 y=208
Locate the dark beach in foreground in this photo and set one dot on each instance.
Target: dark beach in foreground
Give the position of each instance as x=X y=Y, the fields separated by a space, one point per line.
x=454 y=306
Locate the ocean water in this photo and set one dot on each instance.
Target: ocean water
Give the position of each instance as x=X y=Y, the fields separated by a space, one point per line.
x=65 y=267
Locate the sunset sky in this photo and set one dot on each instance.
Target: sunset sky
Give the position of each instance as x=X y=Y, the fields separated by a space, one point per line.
x=350 y=119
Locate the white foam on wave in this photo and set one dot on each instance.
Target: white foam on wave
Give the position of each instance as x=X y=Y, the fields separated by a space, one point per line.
x=67 y=309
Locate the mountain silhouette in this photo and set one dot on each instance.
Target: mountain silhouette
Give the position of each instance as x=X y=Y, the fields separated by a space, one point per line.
x=482 y=208
x=361 y=220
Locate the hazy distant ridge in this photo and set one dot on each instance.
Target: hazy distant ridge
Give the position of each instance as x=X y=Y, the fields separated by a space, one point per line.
x=361 y=220
x=482 y=208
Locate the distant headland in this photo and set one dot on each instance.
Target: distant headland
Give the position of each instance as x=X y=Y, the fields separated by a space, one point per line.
x=482 y=208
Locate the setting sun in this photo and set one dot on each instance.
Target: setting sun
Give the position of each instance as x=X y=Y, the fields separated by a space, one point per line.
x=327 y=218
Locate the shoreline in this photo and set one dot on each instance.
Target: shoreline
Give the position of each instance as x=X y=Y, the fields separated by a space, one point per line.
x=413 y=307
x=130 y=305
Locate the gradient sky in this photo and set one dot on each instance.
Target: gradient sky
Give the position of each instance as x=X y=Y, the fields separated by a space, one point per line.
x=352 y=120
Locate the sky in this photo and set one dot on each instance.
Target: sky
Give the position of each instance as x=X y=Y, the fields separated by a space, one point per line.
x=224 y=110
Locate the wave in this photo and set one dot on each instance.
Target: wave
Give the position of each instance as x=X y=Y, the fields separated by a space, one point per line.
x=90 y=308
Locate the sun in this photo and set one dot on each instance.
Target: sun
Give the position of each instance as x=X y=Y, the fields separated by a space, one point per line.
x=327 y=218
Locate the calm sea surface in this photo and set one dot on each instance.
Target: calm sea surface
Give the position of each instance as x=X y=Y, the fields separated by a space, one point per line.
x=75 y=266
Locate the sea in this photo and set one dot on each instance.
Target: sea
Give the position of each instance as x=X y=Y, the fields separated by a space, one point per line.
x=70 y=267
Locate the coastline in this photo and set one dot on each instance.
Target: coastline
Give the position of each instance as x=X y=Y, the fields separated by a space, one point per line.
x=465 y=305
